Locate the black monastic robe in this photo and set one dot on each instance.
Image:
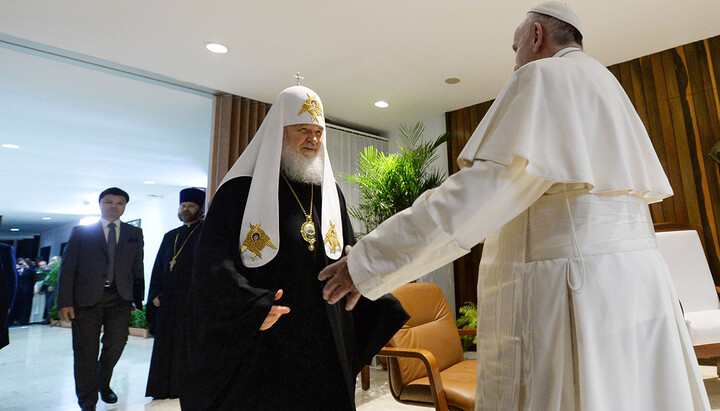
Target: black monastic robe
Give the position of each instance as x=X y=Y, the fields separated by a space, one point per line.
x=309 y=359
x=8 y=286
x=166 y=321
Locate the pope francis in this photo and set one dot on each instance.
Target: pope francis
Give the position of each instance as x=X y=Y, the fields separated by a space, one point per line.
x=576 y=310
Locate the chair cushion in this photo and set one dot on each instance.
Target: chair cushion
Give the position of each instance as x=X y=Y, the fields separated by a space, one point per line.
x=704 y=327
x=683 y=252
x=431 y=326
x=458 y=382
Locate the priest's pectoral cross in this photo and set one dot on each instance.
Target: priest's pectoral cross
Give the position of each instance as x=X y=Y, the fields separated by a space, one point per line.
x=172 y=264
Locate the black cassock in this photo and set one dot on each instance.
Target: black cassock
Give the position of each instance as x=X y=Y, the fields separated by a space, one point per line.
x=8 y=286
x=166 y=321
x=310 y=358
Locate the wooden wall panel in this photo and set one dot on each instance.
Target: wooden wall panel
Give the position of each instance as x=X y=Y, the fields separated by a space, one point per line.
x=236 y=120
x=461 y=126
x=676 y=95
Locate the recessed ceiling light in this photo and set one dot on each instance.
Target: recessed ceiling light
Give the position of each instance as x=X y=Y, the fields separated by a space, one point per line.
x=14 y=229
x=381 y=104
x=10 y=146
x=452 y=80
x=148 y=182
x=216 y=48
x=47 y=218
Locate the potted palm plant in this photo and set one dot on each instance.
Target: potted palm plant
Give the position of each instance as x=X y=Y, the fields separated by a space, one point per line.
x=390 y=183
x=138 y=323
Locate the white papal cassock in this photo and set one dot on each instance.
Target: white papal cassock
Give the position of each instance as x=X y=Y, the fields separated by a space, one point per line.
x=576 y=309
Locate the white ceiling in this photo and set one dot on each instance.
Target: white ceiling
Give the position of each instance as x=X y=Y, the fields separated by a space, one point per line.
x=71 y=119
x=81 y=131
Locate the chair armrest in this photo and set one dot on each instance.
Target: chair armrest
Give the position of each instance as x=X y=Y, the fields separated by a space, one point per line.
x=467 y=331
x=436 y=387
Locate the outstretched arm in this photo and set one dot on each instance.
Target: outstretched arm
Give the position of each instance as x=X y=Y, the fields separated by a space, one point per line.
x=442 y=225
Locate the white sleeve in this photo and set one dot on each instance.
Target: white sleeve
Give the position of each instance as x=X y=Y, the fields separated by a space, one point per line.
x=442 y=225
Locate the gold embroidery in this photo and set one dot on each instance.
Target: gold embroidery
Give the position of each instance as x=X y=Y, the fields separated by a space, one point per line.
x=332 y=238
x=312 y=106
x=256 y=240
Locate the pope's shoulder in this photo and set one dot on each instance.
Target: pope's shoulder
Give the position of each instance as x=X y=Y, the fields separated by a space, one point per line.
x=574 y=71
x=560 y=67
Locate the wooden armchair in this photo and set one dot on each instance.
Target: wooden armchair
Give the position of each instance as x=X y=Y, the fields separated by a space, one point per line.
x=683 y=252
x=425 y=358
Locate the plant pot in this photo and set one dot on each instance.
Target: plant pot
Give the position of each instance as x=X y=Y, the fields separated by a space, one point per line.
x=139 y=332
x=58 y=323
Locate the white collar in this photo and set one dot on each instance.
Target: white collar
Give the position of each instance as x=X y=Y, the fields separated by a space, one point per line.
x=566 y=51
x=105 y=222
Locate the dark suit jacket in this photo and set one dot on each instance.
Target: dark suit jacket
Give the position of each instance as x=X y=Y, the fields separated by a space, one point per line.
x=8 y=286
x=84 y=266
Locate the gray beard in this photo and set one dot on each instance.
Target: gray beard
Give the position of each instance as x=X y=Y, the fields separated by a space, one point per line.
x=299 y=168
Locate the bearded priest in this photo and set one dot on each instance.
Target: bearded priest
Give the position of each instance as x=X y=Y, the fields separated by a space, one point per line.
x=168 y=295
x=266 y=338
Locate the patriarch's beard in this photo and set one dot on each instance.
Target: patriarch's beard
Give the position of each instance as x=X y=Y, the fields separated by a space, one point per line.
x=299 y=168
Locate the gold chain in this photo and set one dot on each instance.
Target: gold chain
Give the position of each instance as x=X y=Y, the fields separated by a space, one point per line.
x=173 y=261
x=312 y=192
x=307 y=229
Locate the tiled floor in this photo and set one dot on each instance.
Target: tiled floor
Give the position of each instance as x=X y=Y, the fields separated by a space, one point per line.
x=36 y=374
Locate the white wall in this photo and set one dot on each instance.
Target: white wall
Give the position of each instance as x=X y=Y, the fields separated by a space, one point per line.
x=55 y=237
x=444 y=277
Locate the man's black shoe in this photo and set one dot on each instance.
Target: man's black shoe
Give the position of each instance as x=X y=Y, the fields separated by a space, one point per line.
x=108 y=396
x=88 y=408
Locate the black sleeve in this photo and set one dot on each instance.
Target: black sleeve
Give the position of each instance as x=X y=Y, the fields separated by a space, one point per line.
x=228 y=307
x=139 y=273
x=375 y=322
x=156 y=279
x=225 y=310
x=68 y=267
x=9 y=273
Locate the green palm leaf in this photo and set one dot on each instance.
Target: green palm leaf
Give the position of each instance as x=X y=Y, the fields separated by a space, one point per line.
x=390 y=183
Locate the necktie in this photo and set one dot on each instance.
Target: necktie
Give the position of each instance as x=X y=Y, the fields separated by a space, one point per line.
x=111 y=243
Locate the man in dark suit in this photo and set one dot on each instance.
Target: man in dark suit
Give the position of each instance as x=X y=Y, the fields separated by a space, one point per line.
x=8 y=286
x=101 y=276
x=20 y=313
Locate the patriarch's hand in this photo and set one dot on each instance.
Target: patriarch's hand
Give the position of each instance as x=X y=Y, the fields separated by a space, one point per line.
x=275 y=312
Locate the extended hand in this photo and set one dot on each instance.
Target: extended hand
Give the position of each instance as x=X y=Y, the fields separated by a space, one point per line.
x=340 y=283
x=275 y=312
x=64 y=312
